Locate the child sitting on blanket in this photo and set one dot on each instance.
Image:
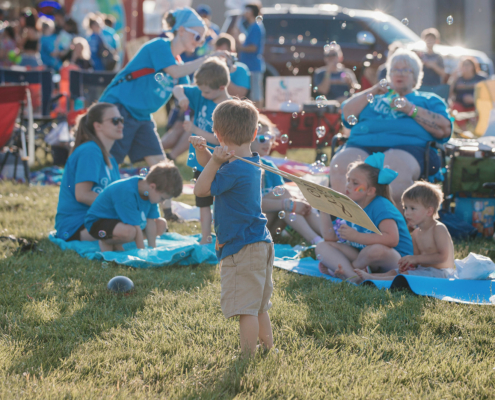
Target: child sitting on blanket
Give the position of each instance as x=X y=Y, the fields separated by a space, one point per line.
x=127 y=210
x=278 y=208
x=244 y=245
x=368 y=185
x=433 y=247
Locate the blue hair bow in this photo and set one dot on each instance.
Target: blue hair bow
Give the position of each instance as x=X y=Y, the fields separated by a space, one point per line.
x=186 y=17
x=386 y=175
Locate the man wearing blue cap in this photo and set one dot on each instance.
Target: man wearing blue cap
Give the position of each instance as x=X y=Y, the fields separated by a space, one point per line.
x=204 y=12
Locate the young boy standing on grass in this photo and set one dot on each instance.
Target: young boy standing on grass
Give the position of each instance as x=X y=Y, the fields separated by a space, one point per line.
x=212 y=80
x=433 y=247
x=244 y=245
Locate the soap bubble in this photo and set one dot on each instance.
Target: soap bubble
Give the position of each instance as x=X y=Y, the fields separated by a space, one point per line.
x=281 y=214
x=315 y=89
x=259 y=19
x=383 y=83
x=370 y=97
x=284 y=139
x=278 y=191
x=193 y=180
x=323 y=158
x=294 y=115
x=405 y=21
x=318 y=256
x=321 y=131
x=400 y=102
x=66 y=235
x=182 y=253
x=450 y=20
x=102 y=234
x=352 y=120
x=278 y=231
x=159 y=77
x=292 y=216
x=191 y=157
x=143 y=172
x=209 y=239
x=320 y=101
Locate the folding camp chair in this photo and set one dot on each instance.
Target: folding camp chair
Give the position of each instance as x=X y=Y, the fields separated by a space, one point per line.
x=12 y=101
x=87 y=87
x=442 y=91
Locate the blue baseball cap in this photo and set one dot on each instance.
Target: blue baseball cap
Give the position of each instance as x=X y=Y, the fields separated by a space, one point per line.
x=203 y=9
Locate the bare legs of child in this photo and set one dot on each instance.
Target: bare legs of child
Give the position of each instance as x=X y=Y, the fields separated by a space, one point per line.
x=177 y=140
x=205 y=219
x=343 y=259
x=386 y=276
x=252 y=328
x=124 y=233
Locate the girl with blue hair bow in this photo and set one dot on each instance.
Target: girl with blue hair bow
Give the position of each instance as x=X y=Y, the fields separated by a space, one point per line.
x=353 y=247
x=146 y=83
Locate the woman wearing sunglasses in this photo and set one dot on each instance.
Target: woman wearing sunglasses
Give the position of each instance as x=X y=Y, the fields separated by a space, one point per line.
x=89 y=169
x=282 y=209
x=138 y=93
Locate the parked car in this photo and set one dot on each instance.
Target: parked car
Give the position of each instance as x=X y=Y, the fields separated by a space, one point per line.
x=295 y=37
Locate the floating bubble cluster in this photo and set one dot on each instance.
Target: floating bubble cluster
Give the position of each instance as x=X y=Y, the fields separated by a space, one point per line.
x=320 y=101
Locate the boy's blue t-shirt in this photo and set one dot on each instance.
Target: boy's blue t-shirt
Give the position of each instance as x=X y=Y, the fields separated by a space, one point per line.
x=46 y=49
x=255 y=35
x=379 y=125
x=121 y=200
x=379 y=209
x=145 y=95
x=238 y=217
x=203 y=111
x=241 y=76
x=270 y=180
x=94 y=41
x=86 y=164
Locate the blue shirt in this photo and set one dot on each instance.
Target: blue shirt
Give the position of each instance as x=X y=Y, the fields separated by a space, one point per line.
x=86 y=164
x=46 y=49
x=255 y=35
x=238 y=217
x=241 y=76
x=121 y=200
x=379 y=125
x=94 y=41
x=203 y=111
x=378 y=210
x=270 y=180
x=145 y=95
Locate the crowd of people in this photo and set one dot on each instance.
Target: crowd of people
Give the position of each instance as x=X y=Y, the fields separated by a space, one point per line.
x=35 y=41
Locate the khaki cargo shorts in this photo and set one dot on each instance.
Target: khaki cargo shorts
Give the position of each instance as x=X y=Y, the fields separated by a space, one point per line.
x=247 y=280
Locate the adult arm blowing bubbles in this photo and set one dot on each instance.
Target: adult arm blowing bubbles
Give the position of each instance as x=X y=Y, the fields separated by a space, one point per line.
x=138 y=98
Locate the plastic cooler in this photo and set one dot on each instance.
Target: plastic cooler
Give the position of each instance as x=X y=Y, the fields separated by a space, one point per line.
x=477 y=211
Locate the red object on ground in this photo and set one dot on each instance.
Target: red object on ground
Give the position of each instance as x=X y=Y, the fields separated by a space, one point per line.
x=461 y=108
x=302 y=129
x=11 y=99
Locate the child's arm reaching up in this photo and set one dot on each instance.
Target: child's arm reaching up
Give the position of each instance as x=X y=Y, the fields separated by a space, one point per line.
x=389 y=236
x=220 y=155
x=151 y=232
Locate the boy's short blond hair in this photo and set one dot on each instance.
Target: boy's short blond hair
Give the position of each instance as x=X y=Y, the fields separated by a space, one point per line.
x=212 y=73
x=425 y=193
x=235 y=121
x=166 y=176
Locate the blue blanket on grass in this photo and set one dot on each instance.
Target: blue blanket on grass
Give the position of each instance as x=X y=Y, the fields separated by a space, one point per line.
x=455 y=290
x=171 y=249
x=175 y=249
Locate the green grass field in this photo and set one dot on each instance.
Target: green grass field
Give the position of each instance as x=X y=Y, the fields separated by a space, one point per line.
x=62 y=335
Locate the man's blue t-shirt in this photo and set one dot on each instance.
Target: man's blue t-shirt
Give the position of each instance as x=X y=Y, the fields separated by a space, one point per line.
x=94 y=41
x=255 y=35
x=241 y=76
x=121 y=200
x=203 y=111
x=238 y=217
x=46 y=49
x=270 y=180
x=86 y=164
x=378 y=210
x=145 y=95
x=379 y=125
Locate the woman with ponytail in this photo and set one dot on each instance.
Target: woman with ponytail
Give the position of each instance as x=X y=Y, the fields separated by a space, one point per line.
x=146 y=83
x=89 y=169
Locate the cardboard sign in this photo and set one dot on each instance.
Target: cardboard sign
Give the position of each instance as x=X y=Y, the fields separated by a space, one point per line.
x=281 y=89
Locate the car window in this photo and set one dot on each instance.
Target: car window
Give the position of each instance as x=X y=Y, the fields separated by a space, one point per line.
x=391 y=30
x=291 y=29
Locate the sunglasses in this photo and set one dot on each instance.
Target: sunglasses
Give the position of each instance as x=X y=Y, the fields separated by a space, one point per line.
x=116 y=120
x=197 y=36
x=265 y=138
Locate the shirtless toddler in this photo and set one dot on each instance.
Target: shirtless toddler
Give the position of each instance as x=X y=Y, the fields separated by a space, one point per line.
x=433 y=247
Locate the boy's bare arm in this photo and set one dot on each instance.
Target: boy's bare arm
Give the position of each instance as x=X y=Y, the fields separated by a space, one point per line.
x=203 y=155
x=443 y=245
x=210 y=137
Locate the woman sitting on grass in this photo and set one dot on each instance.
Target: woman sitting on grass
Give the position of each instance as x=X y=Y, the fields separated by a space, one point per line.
x=89 y=169
x=368 y=184
x=281 y=207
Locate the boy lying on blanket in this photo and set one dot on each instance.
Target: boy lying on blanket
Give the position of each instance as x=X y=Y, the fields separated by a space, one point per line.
x=433 y=247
